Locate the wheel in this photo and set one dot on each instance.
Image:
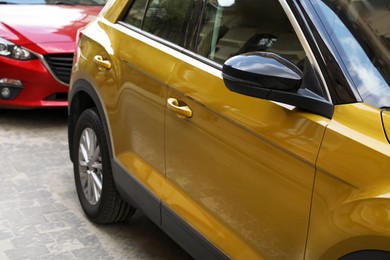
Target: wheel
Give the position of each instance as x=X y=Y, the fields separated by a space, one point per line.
x=95 y=185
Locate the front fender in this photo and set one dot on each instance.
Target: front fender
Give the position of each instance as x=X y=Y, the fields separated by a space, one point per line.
x=339 y=228
x=81 y=97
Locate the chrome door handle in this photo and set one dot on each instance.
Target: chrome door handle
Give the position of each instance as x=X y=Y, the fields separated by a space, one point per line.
x=102 y=63
x=182 y=111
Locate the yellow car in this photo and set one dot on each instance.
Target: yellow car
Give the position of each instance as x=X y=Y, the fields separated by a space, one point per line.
x=245 y=129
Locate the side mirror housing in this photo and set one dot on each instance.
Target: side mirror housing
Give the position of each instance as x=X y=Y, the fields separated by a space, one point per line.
x=268 y=76
x=260 y=72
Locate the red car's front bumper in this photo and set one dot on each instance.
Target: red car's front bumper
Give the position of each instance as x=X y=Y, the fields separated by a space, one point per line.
x=31 y=85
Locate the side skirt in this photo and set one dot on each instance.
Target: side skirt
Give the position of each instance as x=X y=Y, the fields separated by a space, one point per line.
x=187 y=237
x=136 y=194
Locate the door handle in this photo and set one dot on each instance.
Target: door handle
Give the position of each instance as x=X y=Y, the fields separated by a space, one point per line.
x=182 y=111
x=102 y=63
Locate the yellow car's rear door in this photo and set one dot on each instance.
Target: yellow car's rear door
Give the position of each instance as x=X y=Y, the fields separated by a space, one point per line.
x=137 y=110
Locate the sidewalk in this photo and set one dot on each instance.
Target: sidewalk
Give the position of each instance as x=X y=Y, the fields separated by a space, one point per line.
x=40 y=217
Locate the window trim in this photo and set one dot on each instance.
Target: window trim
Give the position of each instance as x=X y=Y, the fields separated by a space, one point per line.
x=212 y=64
x=184 y=30
x=308 y=50
x=153 y=37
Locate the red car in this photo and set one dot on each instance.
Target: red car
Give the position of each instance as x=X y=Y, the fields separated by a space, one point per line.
x=37 y=42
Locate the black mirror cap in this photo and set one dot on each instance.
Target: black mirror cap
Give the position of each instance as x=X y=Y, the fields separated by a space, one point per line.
x=257 y=73
x=271 y=77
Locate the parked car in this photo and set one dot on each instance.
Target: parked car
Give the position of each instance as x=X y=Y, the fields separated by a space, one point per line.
x=245 y=129
x=37 y=42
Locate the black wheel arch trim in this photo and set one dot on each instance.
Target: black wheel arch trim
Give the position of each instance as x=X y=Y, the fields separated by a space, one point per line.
x=74 y=111
x=367 y=254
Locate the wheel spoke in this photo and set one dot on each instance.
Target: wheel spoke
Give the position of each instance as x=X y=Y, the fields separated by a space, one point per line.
x=84 y=152
x=84 y=179
x=83 y=163
x=96 y=154
x=92 y=144
x=97 y=165
x=96 y=192
x=97 y=181
x=90 y=188
x=87 y=138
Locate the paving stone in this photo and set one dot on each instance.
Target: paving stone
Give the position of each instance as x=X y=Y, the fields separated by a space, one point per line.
x=40 y=216
x=6 y=233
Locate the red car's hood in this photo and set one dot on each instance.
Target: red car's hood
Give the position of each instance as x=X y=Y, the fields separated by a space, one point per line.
x=44 y=28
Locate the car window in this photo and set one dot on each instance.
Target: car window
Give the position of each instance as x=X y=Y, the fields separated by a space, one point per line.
x=231 y=27
x=136 y=13
x=360 y=31
x=163 y=18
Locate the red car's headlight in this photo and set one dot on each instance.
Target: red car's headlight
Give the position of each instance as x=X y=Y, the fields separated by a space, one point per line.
x=13 y=51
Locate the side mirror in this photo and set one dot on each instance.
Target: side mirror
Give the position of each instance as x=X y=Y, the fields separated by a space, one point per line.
x=268 y=76
x=257 y=73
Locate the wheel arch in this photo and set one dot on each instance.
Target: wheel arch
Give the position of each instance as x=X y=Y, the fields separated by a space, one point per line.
x=365 y=221
x=375 y=247
x=367 y=254
x=351 y=228
x=81 y=97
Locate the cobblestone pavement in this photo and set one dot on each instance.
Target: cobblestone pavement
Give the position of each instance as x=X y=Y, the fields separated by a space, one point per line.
x=40 y=217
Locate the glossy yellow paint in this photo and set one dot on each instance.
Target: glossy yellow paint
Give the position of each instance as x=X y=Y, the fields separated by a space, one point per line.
x=143 y=172
x=246 y=166
x=113 y=9
x=351 y=203
x=134 y=94
x=222 y=236
x=137 y=120
x=240 y=170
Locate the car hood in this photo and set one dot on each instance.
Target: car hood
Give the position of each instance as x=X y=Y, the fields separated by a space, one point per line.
x=44 y=28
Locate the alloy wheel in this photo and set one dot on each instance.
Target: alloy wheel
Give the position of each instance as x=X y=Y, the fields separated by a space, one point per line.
x=90 y=166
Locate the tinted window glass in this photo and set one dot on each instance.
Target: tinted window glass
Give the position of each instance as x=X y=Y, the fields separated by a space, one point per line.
x=135 y=16
x=164 y=18
x=360 y=31
x=231 y=27
x=167 y=19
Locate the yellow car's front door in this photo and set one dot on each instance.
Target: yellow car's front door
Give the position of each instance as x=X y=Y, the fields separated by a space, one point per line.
x=240 y=170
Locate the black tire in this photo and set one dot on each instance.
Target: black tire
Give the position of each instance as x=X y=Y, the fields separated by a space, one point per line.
x=95 y=185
